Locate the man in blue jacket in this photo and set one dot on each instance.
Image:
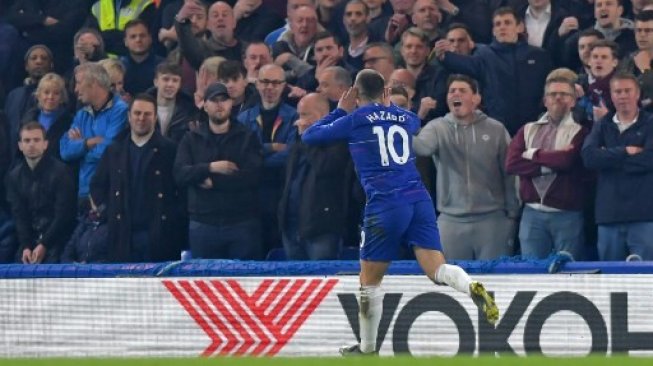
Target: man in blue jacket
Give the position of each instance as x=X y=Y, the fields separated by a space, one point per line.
x=620 y=149
x=94 y=126
x=273 y=122
x=511 y=71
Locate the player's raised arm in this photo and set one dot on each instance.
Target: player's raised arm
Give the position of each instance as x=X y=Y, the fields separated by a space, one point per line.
x=336 y=125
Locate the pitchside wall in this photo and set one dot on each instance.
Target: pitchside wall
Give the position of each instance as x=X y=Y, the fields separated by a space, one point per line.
x=560 y=314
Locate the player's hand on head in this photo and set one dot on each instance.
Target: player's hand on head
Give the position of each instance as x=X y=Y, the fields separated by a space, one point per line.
x=348 y=100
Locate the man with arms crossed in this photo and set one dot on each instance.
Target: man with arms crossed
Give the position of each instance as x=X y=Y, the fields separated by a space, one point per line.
x=399 y=209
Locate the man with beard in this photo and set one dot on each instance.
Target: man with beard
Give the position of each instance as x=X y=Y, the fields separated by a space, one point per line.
x=134 y=180
x=141 y=62
x=356 y=20
x=220 y=164
x=38 y=62
x=42 y=195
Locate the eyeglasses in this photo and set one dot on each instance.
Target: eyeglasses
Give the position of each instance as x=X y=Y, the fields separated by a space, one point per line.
x=559 y=94
x=271 y=82
x=644 y=30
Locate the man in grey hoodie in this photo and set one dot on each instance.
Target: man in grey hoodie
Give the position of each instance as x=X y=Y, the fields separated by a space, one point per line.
x=476 y=198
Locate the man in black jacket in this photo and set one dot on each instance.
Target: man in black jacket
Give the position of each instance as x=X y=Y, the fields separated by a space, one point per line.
x=134 y=180
x=313 y=206
x=220 y=165
x=41 y=193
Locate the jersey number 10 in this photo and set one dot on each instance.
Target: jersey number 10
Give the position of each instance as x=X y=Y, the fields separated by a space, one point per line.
x=388 y=145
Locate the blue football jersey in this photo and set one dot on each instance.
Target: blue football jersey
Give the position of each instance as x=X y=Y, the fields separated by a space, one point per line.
x=380 y=141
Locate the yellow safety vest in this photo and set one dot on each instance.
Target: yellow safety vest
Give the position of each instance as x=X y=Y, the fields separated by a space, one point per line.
x=105 y=13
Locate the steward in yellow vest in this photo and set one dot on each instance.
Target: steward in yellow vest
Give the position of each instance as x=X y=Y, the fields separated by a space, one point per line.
x=110 y=17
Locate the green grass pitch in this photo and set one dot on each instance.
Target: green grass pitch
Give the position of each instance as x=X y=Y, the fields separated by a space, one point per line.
x=359 y=361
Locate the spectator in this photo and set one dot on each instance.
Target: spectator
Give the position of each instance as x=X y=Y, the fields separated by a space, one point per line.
x=393 y=26
x=256 y=55
x=273 y=122
x=639 y=62
x=430 y=80
x=254 y=20
x=334 y=81
x=427 y=17
x=295 y=49
x=328 y=52
x=613 y=27
x=198 y=21
x=356 y=20
x=207 y=75
x=140 y=63
x=313 y=205
x=111 y=16
x=94 y=126
x=460 y=39
x=135 y=181
x=585 y=41
x=49 y=22
x=542 y=23
x=88 y=47
x=116 y=71
x=219 y=165
x=41 y=194
x=291 y=7
x=404 y=79
x=603 y=64
x=243 y=95
x=175 y=109
x=512 y=72
x=221 y=25
x=399 y=97
x=475 y=196
x=51 y=111
x=619 y=149
x=38 y=62
x=379 y=56
x=545 y=154
x=89 y=242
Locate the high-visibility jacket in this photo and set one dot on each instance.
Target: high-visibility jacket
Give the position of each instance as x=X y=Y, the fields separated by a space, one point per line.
x=105 y=13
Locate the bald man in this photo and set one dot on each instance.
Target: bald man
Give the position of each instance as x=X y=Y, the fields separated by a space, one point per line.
x=221 y=24
x=273 y=121
x=311 y=227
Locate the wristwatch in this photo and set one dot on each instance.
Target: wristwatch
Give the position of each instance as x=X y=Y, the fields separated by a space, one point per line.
x=181 y=21
x=455 y=10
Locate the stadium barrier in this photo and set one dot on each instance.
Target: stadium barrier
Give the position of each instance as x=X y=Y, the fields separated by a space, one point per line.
x=214 y=308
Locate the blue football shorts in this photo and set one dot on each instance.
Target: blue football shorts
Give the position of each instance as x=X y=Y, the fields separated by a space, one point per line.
x=411 y=224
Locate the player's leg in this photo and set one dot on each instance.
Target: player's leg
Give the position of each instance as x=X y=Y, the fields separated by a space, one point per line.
x=379 y=245
x=370 y=302
x=423 y=235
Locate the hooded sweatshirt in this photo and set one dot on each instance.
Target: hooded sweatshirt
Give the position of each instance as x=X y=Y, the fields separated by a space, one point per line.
x=469 y=159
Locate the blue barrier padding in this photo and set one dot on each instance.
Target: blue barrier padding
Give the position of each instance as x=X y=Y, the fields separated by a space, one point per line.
x=231 y=268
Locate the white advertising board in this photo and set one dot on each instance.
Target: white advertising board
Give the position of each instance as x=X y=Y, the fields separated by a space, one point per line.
x=313 y=316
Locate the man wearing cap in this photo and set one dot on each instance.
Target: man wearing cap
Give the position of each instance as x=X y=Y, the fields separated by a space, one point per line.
x=220 y=164
x=38 y=62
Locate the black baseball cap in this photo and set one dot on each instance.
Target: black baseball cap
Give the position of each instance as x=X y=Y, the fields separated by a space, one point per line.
x=215 y=90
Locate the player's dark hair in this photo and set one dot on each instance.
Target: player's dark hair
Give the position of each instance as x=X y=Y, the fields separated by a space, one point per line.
x=370 y=84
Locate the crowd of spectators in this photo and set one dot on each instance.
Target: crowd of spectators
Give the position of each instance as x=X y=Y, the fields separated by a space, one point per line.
x=131 y=130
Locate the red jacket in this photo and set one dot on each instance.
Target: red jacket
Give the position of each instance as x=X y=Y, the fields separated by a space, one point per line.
x=566 y=190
